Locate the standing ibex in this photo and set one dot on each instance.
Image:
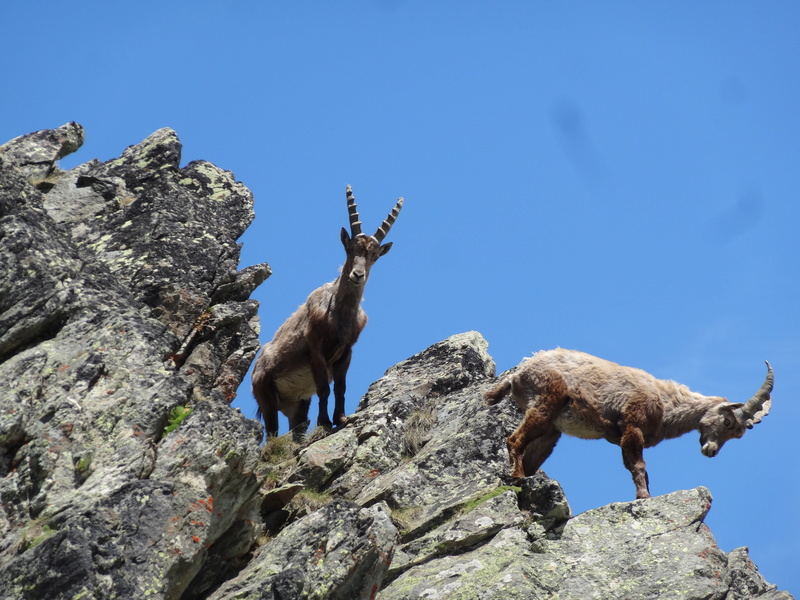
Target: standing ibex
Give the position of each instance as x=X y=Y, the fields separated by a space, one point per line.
x=565 y=391
x=314 y=346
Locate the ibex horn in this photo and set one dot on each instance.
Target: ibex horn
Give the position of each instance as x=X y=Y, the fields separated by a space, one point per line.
x=355 y=224
x=388 y=221
x=758 y=406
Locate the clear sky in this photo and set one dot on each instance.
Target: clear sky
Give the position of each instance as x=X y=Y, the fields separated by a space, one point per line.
x=621 y=178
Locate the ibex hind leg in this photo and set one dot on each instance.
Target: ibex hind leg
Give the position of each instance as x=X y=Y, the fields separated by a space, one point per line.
x=298 y=422
x=266 y=398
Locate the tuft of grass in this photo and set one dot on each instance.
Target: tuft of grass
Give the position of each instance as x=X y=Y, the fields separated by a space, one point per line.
x=278 y=449
x=417 y=429
x=405 y=518
x=307 y=501
x=176 y=416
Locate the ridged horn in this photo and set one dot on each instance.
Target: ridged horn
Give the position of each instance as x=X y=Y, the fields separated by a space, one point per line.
x=758 y=406
x=388 y=221
x=352 y=211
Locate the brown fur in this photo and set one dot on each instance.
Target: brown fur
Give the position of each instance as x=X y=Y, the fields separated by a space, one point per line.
x=566 y=391
x=314 y=346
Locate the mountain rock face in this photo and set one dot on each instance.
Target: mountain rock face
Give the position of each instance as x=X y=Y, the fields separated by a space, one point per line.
x=125 y=330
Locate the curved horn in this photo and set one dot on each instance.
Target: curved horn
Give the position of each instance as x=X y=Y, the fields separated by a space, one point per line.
x=388 y=221
x=758 y=406
x=352 y=211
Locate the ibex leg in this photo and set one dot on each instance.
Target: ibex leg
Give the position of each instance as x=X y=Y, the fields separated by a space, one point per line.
x=319 y=370
x=267 y=400
x=539 y=450
x=298 y=422
x=340 y=368
x=545 y=395
x=632 y=444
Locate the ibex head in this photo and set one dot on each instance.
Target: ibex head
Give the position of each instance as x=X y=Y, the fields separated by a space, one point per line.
x=729 y=420
x=363 y=250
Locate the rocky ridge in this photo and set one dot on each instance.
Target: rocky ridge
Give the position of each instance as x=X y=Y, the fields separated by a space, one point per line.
x=125 y=330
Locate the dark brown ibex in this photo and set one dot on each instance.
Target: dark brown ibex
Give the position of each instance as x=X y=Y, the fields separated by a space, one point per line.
x=566 y=391
x=314 y=346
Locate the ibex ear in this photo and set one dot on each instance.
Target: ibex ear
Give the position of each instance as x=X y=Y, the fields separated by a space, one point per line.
x=730 y=408
x=345 y=239
x=385 y=248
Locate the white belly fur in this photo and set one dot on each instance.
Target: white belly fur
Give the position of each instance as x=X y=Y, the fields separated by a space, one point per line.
x=294 y=386
x=569 y=424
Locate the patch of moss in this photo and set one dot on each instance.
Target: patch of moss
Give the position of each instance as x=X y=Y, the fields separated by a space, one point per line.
x=176 y=417
x=475 y=502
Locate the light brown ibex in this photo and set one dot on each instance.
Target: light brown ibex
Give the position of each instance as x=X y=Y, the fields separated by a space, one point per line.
x=314 y=346
x=566 y=391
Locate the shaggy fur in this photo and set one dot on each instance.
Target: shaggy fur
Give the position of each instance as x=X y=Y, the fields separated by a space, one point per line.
x=314 y=346
x=566 y=391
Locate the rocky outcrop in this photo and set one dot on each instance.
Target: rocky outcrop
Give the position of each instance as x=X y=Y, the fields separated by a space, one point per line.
x=125 y=329
x=120 y=302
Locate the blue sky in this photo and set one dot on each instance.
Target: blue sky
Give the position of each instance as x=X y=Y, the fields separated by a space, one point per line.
x=620 y=178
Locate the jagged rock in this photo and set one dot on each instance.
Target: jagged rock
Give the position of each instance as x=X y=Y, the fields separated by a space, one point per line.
x=95 y=306
x=35 y=154
x=657 y=548
x=340 y=552
x=121 y=308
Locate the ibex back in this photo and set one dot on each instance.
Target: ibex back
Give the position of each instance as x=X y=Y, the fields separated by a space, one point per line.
x=314 y=346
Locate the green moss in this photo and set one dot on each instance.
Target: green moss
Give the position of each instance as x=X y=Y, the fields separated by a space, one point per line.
x=35 y=534
x=176 y=417
x=82 y=466
x=475 y=502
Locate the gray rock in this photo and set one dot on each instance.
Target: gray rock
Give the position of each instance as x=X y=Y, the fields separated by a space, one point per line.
x=340 y=552
x=656 y=548
x=106 y=326
x=35 y=154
